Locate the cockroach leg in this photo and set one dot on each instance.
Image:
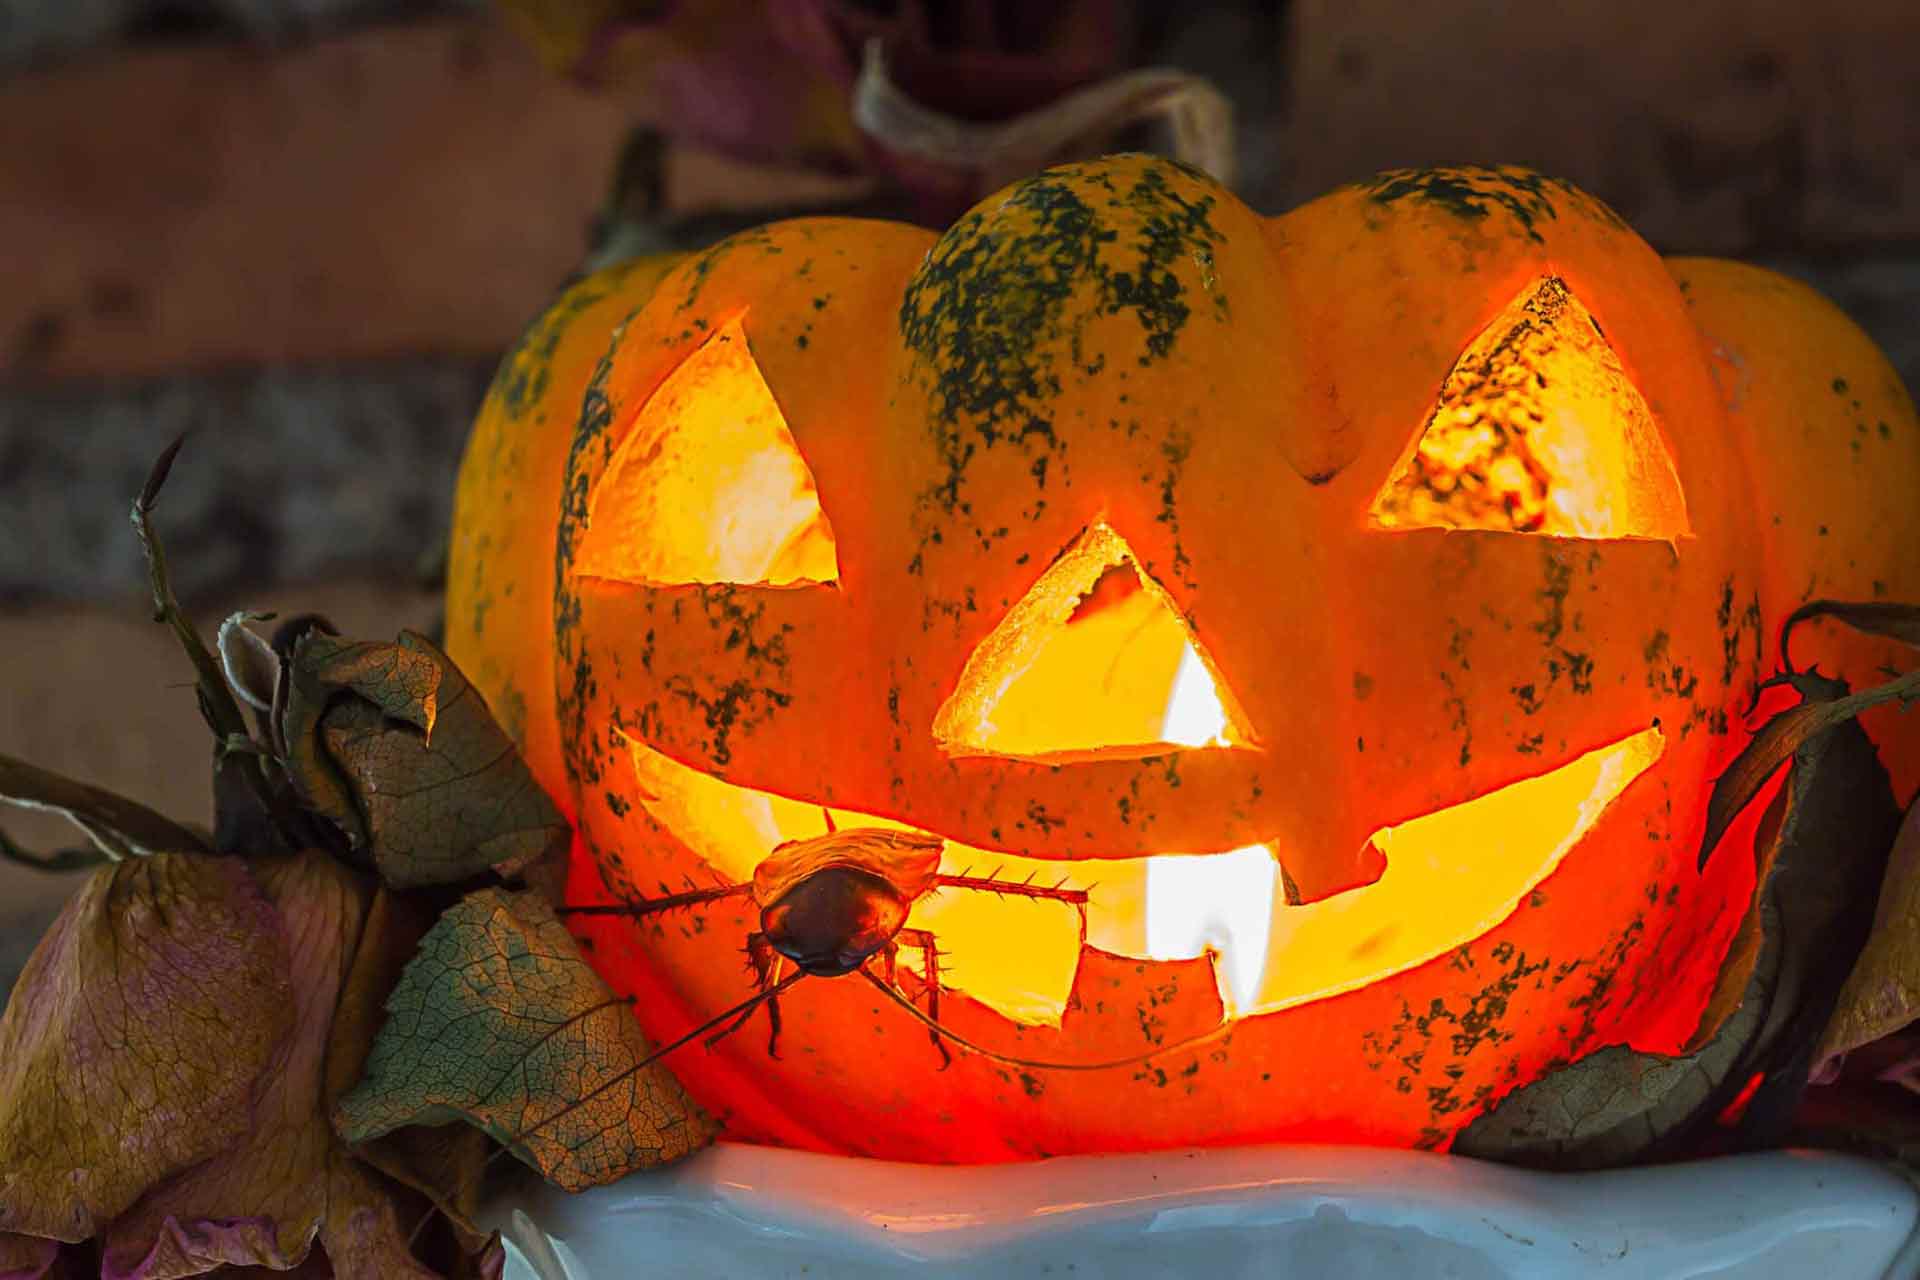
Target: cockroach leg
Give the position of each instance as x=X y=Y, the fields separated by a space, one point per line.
x=1017 y=888
x=924 y=939
x=634 y=908
x=766 y=965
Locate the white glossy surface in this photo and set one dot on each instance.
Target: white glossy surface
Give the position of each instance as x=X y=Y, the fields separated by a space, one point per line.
x=1274 y=1212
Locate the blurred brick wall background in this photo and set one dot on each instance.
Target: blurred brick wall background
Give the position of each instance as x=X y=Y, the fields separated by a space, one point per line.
x=306 y=230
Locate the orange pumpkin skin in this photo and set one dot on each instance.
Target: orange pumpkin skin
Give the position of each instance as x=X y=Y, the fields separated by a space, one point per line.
x=500 y=553
x=1123 y=342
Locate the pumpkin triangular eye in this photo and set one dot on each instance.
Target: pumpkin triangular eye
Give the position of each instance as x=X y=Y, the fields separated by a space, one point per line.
x=1538 y=429
x=1093 y=660
x=709 y=485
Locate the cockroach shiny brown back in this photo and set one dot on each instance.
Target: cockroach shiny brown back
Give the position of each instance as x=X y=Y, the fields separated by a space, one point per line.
x=833 y=920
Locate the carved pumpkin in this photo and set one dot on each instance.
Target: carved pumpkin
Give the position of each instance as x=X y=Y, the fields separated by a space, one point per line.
x=1358 y=604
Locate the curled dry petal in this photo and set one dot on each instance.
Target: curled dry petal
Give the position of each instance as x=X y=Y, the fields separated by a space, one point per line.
x=136 y=1038
x=393 y=744
x=288 y=1182
x=262 y=1200
x=29 y=1258
x=251 y=666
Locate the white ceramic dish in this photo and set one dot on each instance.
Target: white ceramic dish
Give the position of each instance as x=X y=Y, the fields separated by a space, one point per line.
x=1272 y=1212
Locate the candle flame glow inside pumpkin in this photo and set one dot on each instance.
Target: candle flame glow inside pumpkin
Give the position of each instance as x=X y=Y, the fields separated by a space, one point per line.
x=1537 y=430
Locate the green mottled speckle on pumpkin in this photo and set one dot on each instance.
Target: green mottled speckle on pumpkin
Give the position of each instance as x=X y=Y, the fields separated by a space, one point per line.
x=1475 y=194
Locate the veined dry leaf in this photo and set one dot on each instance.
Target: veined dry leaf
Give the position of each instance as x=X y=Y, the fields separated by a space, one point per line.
x=1825 y=704
x=500 y=1022
x=1820 y=852
x=442 y=1162
x=288 y=1182
x=1882 y=994
x=136 y=1038
x=393 y=744
x=118 y=827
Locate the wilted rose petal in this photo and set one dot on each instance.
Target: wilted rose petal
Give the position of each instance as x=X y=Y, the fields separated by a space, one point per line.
x=442 y=1162
x=288 y=1182
x=136 y=1038
x=363 y=1235
x=393 y=744
x=29 y=1258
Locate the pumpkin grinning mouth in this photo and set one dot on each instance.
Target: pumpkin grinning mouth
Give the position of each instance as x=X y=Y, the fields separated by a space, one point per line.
x=1449 y=877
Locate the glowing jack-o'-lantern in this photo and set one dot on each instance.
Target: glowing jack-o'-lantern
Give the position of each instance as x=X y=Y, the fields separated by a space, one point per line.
x=1355 y=605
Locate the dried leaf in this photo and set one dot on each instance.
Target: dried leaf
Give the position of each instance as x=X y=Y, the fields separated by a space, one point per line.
x=1827 y=705
x=1894 y=621
x=1820 y=853
x=444 y=1162
x=500 y=1022
x=1882 y=994
x=136 y=1038
x=118 y=827
x=393 y=744
x=288 y=1182
x=394 y=926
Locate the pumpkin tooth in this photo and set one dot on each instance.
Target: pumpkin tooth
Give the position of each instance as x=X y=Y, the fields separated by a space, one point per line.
x=1219 y=905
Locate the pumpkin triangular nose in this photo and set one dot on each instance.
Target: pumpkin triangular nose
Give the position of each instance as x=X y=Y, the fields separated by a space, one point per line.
x=1094 y=658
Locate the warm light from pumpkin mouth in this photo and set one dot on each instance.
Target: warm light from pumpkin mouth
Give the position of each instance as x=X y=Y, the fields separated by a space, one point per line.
x=1450 y=877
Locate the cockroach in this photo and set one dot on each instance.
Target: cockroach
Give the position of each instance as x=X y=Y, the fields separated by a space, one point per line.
x=831 y=903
